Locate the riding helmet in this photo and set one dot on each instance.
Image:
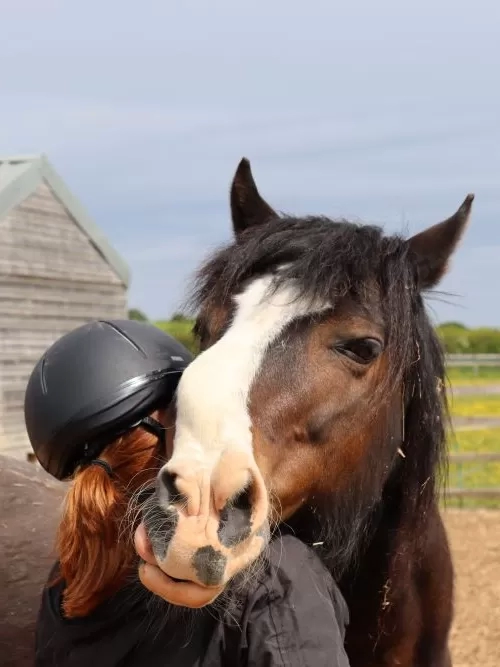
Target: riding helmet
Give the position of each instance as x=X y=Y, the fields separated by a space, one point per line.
x=94 y=383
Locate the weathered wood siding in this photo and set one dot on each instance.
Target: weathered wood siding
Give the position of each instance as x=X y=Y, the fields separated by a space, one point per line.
x=52 y=279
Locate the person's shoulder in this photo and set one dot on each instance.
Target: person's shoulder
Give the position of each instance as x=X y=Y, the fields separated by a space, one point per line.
x=296 y=569
x=290 y=556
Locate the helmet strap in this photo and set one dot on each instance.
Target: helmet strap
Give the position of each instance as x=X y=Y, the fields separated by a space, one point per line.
x=154 y=427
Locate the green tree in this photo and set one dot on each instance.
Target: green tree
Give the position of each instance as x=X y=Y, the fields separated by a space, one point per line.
x=179 y=317
x=453 y=325
x=136 y=314
x=457 y=339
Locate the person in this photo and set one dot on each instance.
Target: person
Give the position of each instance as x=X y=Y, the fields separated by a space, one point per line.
x=99 y=410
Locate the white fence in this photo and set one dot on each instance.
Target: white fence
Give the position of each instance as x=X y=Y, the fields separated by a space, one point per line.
x=475 y=360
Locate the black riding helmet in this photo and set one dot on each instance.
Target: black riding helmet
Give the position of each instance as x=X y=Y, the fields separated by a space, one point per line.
x=95 y=382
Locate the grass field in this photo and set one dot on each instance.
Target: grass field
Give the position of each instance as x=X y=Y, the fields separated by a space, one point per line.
x=475 y=475
x=475 y=405
x=181 y=330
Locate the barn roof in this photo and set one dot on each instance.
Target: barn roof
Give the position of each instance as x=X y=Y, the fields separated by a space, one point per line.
x=21 y=175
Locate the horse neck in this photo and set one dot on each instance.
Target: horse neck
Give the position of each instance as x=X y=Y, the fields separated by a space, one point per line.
x=392 y=547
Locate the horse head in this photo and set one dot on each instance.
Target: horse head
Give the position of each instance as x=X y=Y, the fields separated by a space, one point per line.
x=318 y=390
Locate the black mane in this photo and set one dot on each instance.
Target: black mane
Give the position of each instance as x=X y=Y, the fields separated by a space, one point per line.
x=330 y=260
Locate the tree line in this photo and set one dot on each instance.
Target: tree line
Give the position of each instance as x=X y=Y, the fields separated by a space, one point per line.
x=459 y=339
x=456 y=337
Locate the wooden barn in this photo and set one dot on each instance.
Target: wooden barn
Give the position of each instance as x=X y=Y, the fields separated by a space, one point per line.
x=57 y=271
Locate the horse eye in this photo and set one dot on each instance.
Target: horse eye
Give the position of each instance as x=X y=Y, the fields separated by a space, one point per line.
x=361 y=350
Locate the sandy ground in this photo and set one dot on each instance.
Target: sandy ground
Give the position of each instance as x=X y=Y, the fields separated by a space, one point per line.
x=475 y=542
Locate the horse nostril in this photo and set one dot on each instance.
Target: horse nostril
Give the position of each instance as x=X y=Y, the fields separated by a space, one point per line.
x=236 y=519
x=243 y=500
x=168 y=483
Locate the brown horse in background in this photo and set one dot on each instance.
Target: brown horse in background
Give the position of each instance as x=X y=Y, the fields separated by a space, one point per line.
x=30 y=510
x=317 y=404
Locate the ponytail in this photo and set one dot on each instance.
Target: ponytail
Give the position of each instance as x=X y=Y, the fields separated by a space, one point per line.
x=94 y=561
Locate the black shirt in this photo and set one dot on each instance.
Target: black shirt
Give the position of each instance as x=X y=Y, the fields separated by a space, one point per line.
x=293 y=615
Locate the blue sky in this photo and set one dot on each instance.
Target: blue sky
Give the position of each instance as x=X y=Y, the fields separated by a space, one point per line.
x=380 y=111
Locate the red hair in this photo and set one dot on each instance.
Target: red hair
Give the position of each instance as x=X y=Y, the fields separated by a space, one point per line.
x=95 y=559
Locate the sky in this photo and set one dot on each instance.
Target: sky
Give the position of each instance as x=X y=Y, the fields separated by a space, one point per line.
x=385 y=112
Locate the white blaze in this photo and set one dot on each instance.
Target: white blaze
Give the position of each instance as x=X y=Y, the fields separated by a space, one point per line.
x=212 y=413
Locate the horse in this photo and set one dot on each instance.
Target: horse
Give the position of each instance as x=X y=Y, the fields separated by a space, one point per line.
x=317 y=403
x=30 y=509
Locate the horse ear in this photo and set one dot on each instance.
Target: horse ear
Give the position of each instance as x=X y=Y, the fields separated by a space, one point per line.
x=248 y=209
x=434 y=246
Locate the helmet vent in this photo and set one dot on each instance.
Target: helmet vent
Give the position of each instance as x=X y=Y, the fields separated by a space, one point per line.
x=43 y=378
x=125 y=337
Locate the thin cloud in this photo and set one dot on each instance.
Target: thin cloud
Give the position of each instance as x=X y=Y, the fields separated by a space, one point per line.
x=388 y=119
